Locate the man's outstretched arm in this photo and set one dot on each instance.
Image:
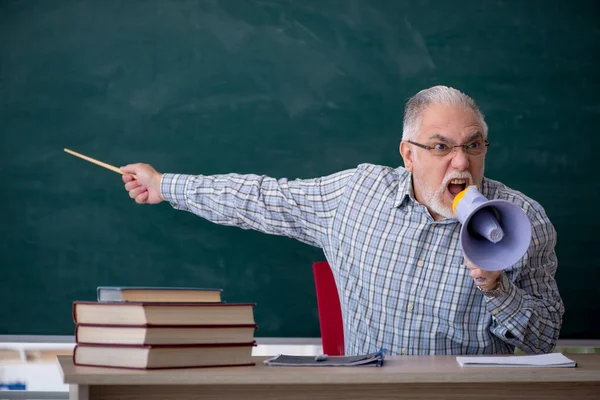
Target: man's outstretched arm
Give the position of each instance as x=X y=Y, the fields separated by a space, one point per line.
x=301 y=208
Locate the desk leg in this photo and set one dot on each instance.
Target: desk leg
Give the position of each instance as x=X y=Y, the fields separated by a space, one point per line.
x=79 y=392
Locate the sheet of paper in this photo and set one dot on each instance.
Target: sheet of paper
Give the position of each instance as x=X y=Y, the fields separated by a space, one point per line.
x=541 y=360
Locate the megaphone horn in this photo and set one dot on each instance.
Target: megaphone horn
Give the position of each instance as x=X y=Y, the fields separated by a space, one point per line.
x=495 y=234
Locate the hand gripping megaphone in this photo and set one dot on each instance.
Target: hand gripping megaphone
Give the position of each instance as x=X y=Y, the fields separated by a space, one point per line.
x=495 y=234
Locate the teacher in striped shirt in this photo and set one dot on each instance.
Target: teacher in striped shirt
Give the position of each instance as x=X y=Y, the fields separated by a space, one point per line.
x=392 y=240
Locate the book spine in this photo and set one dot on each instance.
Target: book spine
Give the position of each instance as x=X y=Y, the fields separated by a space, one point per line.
x=74 y=312
x=75 y=354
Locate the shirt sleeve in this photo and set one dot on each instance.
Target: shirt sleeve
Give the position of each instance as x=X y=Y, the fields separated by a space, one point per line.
x=530 y=315
x=301 y=209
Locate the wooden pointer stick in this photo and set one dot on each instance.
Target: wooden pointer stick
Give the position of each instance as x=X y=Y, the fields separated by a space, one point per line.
x=100 y=163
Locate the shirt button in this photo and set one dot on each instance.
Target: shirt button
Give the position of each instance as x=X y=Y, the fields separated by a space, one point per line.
x=410 y=307
x=404 y=351
x=495 y=311
x=420 y=263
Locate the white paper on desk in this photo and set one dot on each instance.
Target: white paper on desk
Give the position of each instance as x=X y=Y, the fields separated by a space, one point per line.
x=551 y=360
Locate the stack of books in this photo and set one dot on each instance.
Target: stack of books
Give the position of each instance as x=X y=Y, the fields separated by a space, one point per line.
x=159 y=328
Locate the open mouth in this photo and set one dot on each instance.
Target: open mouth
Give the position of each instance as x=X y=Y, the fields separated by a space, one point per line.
x=455 y=186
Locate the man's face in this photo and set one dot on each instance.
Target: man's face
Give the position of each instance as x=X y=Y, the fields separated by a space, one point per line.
x=437 y=180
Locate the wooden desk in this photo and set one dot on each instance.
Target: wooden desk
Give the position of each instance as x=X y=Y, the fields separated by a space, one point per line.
x=422 y=377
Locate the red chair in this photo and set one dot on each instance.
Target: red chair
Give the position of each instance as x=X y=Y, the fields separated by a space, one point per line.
x=330 y=311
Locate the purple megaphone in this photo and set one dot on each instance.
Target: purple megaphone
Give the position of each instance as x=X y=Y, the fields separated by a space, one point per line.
x=495 y=234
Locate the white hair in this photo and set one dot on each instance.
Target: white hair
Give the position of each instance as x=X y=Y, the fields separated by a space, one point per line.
x=440 y=95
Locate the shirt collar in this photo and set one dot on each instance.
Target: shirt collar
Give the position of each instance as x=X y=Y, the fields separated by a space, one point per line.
x=485 y=189
x=405 y=187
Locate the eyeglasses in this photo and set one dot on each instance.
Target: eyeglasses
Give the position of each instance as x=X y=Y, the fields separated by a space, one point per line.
x=473 y=148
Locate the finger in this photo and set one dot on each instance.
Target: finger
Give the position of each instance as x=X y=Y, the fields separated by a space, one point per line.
x=469 y=264
x=131 y=168
x=142 y=197
x=136 y=192
x=476 y=273
x=489 y=275
x=127 y=178
x=132 y=185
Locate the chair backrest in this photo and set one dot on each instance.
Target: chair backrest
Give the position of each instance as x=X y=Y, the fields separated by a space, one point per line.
x=330 y=311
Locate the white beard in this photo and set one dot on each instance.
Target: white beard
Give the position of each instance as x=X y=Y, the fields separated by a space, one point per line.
x=433 y=197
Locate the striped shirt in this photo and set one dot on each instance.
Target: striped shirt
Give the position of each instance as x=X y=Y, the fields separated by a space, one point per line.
x=401 y=276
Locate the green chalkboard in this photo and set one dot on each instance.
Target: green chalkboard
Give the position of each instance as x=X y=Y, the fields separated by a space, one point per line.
x=285 y=88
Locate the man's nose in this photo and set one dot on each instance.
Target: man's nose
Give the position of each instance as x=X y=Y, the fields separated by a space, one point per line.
x=460 y=159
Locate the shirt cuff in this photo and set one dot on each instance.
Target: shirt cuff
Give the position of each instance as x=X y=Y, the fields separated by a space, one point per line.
x=503 y=308
x=173 y=189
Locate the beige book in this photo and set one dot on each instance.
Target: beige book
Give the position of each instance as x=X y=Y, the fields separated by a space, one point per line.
x=162 y=313
x=161 y=335
x=160 y=357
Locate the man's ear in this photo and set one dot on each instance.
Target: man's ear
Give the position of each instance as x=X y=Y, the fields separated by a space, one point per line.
x=407 y=155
